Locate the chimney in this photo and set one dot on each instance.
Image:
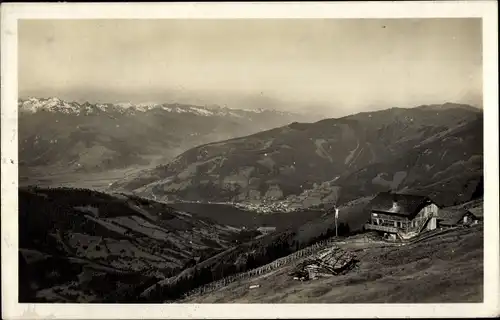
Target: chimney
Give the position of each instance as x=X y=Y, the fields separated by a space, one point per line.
x=394 y=201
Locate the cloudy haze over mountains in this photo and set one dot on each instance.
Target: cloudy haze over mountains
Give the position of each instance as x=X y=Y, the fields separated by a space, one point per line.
x=336 y=67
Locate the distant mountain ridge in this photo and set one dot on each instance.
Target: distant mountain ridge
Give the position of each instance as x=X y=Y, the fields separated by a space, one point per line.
x=60 y=136
x=55 y=104
x=329 y=160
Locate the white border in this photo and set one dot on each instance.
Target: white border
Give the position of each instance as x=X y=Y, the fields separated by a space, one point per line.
x=10 y=13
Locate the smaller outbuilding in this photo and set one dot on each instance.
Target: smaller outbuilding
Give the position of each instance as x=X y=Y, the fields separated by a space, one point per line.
x=451 y=217
x=477 y=212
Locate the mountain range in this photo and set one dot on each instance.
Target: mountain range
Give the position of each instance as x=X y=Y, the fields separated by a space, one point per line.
x=61 y=136
x=218 y=168
x=432 y=149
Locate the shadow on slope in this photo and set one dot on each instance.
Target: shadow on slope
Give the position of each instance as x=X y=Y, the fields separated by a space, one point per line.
x=78 y=245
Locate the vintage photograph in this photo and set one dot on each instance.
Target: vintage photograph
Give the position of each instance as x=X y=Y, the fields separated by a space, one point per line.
x=320 y=160
x=255 y=161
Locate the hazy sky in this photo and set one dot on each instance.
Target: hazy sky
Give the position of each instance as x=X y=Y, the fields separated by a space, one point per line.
x=348 y=64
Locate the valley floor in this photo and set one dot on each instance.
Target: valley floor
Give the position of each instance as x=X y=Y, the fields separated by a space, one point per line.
x=447 y=267
x=55 y=177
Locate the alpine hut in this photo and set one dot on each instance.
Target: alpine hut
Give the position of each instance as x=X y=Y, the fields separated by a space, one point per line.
x=402 y=215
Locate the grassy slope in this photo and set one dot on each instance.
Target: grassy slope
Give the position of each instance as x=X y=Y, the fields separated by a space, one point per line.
x=446 y=268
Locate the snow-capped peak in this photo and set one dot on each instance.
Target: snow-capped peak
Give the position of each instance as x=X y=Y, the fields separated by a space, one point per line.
x=125 y=105
x=48 y=104
x=54 y=104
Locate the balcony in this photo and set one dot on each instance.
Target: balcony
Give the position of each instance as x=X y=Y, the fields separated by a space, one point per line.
x=369 y=226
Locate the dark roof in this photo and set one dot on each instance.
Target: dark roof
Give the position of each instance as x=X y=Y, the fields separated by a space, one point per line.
x=451 y=216
x=408 y=205
x=477 y=211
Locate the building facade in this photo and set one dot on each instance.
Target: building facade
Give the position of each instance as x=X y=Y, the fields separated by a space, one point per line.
x=402 y=215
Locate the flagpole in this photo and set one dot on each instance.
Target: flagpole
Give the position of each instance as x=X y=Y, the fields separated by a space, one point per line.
x=336 y=218
x=336 y=232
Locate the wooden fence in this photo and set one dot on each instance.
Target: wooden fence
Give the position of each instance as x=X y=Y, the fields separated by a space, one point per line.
x=262 y=269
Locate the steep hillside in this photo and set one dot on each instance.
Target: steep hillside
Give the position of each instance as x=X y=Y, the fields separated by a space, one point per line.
x=57 y=136
x=446 y=268
x=330 y=160
x=265 y=252
x=79 y=245
x=447 y=166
